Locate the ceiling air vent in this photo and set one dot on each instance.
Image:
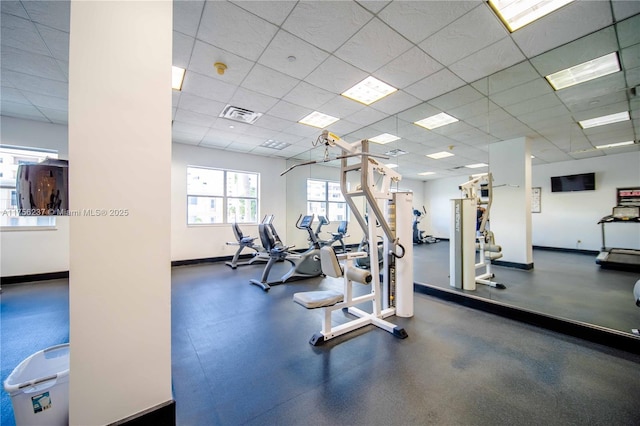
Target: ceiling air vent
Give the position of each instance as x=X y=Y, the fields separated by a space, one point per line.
x=240 y=114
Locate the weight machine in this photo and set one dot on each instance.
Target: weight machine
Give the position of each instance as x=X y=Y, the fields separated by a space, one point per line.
x=469 y=232
x=391 y=286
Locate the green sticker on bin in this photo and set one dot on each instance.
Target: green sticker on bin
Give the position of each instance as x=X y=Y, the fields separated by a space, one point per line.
x=41 y=402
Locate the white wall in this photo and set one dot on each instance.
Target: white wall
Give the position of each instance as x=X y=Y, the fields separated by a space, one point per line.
x=17 y=247
x=565 y=217
x=204 y=241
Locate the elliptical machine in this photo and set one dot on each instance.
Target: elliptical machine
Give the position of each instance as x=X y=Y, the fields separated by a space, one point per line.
x=303 y=265
x=418 y=235
x=336 y=237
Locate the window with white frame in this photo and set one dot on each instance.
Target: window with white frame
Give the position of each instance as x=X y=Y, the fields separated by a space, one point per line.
x=10 y=158
x=216 y=196
x=325 y=198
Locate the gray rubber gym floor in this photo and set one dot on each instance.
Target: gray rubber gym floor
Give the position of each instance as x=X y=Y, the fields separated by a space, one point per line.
x=241 y=356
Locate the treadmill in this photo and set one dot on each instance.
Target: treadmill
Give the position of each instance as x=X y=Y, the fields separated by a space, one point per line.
x=620 y=258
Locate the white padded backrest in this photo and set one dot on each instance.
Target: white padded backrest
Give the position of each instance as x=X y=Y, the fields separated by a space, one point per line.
x=329 y=262
x=636 y=293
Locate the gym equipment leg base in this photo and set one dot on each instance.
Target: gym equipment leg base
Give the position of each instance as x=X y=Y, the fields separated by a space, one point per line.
x=261 y=284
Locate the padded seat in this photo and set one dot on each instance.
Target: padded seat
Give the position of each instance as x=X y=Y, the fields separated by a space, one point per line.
x=318 y=299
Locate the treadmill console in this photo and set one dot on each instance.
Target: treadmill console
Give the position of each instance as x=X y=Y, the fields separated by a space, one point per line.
x=626 y=213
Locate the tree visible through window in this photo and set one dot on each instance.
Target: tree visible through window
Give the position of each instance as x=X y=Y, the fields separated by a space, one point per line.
x=216 y=196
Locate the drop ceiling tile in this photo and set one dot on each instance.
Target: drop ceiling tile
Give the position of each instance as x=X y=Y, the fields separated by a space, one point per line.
x=40 y=100
x=417 y=20
x=292 y=139
x=273 y=11
x=592 y=89
x=194 y=118
x=601 y=110
x=250 y=140
x=21 y=34
x=205 y=55
x=419 y=112
x=56 y=116
x=396 y=102
x=206 y=87
x=18 y=110
x=217 y=138
x=509 y=132
x=373 y=46
x=577 y=52
x=303 y=130
x=532 y=89
x=366 y=116
x=434 y=85
x=193 y=103
x=232 y=127
x=623 y=129
x=289 y=111
x=175 y=98
x=568 y=23
x=186 y=16
x=326 y=25
x=182 y=48
x=473 y=109
x=308 y=95
x=36 y=65
x=580 y=105
x=248 y=99
x=631 y=56
x=531 y=104
x=54 y=14
x=541 y=115
x=624 y=8
x=343 y=127
x=31 y=83
x=487 y=61
x=513 y=76
x=239 y=147
x=613 y=135
x=226 y=25
x=456 y=98
x=269 y=82
x=482 y=121
x=185 y=138
x=335 y=76
x=64 y=68
x=188 y=128
x=461 y=38
x=285 y=45
x=274 y=123
x=374 y=6
x=13 y=8
x=408 y=68
x=57 y=42
x=633 y=78
x=341 y=107
x=627 y=30
x=11 y=94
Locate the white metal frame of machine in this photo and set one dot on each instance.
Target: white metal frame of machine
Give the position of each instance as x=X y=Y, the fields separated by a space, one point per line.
x=467 y=237
x=389 y=212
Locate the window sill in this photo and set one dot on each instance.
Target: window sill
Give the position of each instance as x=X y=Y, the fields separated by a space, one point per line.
x=27 y=228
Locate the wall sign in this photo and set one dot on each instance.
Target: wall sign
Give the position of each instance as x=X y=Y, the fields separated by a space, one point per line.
x=535 y=199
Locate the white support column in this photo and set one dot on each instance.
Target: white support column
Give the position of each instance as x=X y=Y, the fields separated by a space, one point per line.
x=462 y=244
x=120 y=179
x=404 y=265
x=510 y=164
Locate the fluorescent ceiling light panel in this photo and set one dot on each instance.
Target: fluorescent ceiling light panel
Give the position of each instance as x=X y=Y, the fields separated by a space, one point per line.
x=177 y=76
x=476 y=166
x=517 y=13
x=604 y=65
x=318 y=119
x=384 y=138
x=391 y=165
x=613 y=145
x=436 y=121
x=369 y=90
x=605 y=119
x=439 y=155
x=273 y=144
x=427 y=173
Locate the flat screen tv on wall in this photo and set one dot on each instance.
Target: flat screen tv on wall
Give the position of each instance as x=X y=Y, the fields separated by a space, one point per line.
x=580 y=182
